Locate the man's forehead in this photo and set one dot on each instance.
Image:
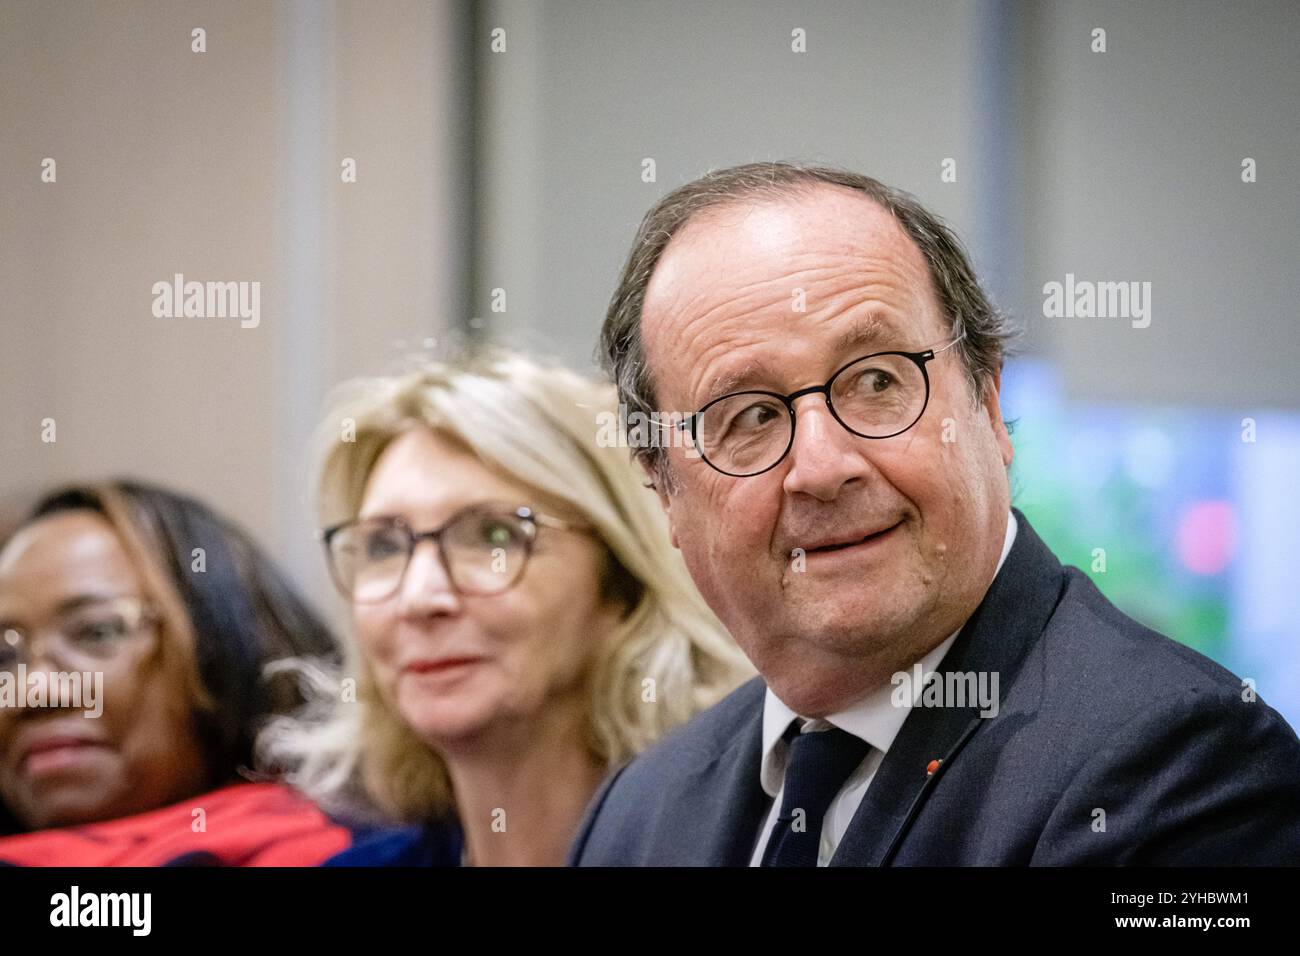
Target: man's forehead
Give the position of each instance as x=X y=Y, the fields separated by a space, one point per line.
x=870 y=332
x=810 y=235
x=831 y=254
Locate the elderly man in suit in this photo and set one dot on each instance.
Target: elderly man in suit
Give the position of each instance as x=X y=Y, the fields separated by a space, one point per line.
x=835 y=478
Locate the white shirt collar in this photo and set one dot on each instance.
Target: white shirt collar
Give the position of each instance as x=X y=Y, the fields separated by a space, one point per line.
x=874 y=719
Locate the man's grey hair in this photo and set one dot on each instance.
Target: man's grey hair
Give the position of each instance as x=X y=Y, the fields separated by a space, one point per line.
x=986 y=333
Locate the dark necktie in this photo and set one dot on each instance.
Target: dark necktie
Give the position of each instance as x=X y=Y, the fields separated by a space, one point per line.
x=818 y=764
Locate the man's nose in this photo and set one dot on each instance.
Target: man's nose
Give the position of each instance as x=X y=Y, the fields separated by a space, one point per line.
x=426 y=586
x=825 y=456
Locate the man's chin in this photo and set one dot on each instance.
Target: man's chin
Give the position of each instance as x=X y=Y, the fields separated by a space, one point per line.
x=804 y=653
x=852 y=631
x=816 y=692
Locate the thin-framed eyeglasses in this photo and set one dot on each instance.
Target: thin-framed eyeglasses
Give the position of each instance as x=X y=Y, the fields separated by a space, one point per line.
x=881 y=395
x=91 y=631
x=483 y=548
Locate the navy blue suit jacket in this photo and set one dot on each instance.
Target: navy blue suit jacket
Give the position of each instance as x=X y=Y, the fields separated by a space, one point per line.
x=1111 y=745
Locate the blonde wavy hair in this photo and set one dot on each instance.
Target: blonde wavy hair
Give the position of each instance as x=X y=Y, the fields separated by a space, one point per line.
x=537 y=423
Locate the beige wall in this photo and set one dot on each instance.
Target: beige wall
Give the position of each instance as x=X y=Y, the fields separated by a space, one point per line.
x=222 y=166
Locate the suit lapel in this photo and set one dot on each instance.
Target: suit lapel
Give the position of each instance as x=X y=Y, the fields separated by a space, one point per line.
x=996 y=639
x=722 y=832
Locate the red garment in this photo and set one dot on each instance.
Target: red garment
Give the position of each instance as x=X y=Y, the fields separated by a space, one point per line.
x=246 y=824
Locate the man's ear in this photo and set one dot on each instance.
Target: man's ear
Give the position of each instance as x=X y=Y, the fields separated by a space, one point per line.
x=993 y=408
x=655 y=480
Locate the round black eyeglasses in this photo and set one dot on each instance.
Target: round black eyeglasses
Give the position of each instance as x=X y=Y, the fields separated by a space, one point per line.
x=881 y=395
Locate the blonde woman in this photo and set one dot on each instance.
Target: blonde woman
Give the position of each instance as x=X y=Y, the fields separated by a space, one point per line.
x=521 y=622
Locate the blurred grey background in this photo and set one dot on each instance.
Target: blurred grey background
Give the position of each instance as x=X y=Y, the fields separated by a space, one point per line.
x=521 y=169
